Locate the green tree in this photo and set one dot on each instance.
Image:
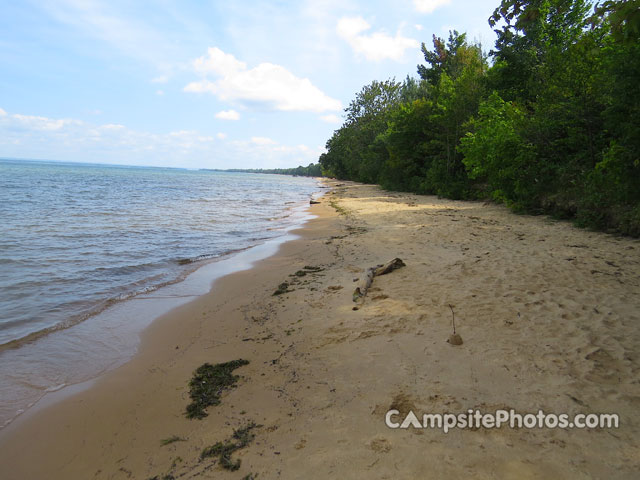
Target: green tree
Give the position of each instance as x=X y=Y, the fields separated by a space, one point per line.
x=446 y=57
x=496 y=154
x=407 y=140
x=611 y=199
x=352 y=151
x=531 y=31
x=451 y=102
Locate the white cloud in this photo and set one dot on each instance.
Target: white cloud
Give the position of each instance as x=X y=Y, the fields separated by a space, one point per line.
x=263 y=141
x=349 y=27
x=377 y=46
x=159 y=92
x=260 y=151
x=219 y=63
x=160 y=79
x=2 y=113
x=37 y=136
x=428 y=6
x=331 y=118
x=28 y=136
x=267 y=84
x=32 y=122
x=188 y=139
x=228 y=115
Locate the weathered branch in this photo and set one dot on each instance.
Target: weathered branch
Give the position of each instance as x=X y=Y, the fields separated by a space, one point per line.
x=361 y=290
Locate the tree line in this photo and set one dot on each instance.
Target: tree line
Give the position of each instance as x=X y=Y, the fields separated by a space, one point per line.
x=311 y=170
x=547 y=122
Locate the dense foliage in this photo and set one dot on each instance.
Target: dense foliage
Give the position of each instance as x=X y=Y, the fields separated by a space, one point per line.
x=550 y=125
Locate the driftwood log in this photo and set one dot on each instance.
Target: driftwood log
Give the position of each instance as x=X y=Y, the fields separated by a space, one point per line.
x=361 y=290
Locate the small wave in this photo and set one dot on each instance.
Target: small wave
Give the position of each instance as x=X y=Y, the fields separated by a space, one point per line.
x=149 y=289
x=101 y=306
x=214 y=256
x=75 y=320
x=125 y=269
x=55 y=388
x=4 y=261
x=199 y=258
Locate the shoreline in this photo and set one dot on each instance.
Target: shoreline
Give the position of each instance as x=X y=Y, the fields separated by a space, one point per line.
x=125 y=320
x=147 y=291
x=163 y=329
x=547 y=312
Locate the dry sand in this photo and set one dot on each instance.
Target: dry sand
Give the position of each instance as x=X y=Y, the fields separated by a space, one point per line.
x=549 y=315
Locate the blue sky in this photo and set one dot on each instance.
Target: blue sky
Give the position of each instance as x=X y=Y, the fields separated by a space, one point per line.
x=203 y=84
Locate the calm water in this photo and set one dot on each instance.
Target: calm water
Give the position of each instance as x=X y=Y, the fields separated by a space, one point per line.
x=77 y=240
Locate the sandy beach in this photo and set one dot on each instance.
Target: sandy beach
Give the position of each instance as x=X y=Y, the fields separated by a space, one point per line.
x=549 y=317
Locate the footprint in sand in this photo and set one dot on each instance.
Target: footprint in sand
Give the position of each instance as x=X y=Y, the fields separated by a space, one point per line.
x=380 y=445
x=606 y=368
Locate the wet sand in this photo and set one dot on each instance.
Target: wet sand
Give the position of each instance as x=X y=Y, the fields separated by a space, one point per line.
x=549 y=316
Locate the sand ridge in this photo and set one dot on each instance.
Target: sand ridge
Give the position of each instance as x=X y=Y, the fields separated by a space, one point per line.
x=548 y=314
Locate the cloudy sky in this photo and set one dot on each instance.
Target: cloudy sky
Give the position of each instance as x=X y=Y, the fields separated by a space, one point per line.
x=203 y=84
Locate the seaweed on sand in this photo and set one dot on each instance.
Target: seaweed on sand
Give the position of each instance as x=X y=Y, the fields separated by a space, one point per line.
x=306 y=270
x=208 y=382
x=223 y=450
x=282 y=288
x=171 y=439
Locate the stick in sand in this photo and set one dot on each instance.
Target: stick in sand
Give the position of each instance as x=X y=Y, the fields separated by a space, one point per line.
x=454 y=338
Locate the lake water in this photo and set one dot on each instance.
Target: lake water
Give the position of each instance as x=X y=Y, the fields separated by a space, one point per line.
x=90 y=254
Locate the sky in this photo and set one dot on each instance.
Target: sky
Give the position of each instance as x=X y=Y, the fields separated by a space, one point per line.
x=204 y=84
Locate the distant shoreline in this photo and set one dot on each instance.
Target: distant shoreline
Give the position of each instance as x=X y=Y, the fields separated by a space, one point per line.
x=280 y=171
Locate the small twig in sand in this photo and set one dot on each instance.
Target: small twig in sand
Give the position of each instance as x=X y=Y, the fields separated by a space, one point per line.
x=453 y=319
x=454 y=338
